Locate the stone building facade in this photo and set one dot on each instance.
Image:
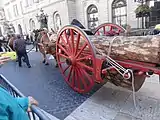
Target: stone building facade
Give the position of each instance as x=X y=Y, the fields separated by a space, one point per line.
x=91 y=13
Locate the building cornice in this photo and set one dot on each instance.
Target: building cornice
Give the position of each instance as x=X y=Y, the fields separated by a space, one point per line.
x=52 y=3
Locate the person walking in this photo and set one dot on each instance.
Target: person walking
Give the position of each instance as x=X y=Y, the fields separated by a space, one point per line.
x=20 y=48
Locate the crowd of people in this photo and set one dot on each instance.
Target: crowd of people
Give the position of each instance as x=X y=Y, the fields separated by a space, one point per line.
x=41 y=38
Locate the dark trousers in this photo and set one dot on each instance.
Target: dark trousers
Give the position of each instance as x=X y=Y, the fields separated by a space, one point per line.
x=155 y=32
x=25 y=56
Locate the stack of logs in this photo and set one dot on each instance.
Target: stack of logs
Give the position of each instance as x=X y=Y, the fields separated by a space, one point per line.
x=136 y=48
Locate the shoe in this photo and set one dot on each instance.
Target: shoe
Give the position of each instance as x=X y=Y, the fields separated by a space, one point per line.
x=46 y=63
x=43 y=61
x=29 y=66
x=24 y=60
x=20 y=65
x=56 y=66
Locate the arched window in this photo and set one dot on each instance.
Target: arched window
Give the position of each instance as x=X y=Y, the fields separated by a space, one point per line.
x=57 y=21
x=92 y=14
x=20 y=29
x=32 y=24
x=0 y=31
x=12 y=28
x=119 y=12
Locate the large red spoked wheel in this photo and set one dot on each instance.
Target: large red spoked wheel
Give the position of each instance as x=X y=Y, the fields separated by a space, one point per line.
x=109 y=29
x=76 y=58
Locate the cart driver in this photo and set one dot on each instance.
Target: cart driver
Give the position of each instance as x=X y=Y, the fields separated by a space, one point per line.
x=44 y=40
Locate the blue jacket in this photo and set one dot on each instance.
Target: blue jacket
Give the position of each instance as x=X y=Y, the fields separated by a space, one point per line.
x=12 y=108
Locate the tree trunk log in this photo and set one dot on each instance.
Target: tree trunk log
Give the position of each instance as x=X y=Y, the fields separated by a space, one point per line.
x=137 y=48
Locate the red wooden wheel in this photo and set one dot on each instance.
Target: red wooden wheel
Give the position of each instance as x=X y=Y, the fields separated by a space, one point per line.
x=109 y=29
x=76 y=58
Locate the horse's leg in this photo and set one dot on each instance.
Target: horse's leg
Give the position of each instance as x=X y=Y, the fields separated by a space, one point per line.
x=46 y=63
x=43 y=53
x=45 y=56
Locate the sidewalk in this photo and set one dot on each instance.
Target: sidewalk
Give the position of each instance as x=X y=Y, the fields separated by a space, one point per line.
x=114 y=103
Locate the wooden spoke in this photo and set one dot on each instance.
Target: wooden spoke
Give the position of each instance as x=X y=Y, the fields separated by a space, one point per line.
x=85 y=66
x=62 y=55
x=63 y=49
x=81 y=50
x=84 y=58
x=77 y=44
x=69 y=75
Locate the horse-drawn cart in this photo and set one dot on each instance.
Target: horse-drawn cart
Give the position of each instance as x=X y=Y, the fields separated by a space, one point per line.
x=88 y=59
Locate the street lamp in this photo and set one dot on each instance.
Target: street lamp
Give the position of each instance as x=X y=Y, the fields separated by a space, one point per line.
x=43 y=19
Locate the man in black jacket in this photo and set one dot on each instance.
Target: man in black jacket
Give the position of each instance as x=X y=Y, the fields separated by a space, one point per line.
x=20 y=48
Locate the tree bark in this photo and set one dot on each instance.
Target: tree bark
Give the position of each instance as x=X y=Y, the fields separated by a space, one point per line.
x=137 y=48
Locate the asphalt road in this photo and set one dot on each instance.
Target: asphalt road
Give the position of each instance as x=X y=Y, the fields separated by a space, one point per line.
x=46 y=84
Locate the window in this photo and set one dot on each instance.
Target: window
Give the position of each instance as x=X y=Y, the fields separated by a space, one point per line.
x=57 y=21
x=36 y=1
x=29 y=2
x=0 y=31
x=26 y=4
x=31 y=24
x=20 y=29
x=8 y=13
x=92 y=14
x=21 y=7
x=15 y=9
x=1 y=16
x=119 y=12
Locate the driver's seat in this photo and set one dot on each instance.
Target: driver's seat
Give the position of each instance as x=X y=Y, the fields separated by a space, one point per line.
x=77 y=23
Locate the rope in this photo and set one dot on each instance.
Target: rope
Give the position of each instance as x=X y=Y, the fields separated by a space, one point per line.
x=129 y=70
x=34 y=45
x=110 y=45
x=133 y=88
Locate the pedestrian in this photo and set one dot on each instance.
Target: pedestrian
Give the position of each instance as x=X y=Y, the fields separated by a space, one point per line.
x=1 y=50
x=20 y=48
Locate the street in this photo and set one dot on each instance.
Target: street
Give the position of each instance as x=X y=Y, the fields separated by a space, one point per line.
x=115 y=103
x=46 y=84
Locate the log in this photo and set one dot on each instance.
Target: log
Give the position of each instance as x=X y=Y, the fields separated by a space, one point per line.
x=136 y=48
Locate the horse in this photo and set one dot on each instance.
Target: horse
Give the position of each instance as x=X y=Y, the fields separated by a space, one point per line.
x=46 y=45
